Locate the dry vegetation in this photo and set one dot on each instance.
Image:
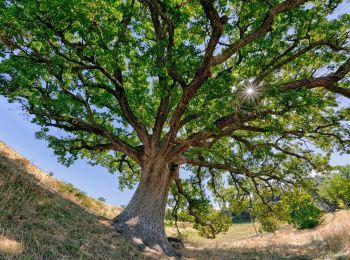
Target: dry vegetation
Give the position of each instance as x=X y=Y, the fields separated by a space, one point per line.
x=331 y=240
x=66 y=190
x=43 y=218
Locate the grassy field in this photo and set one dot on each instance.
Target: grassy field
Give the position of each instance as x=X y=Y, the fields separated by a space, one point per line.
x=331 y=240
x=43 y=218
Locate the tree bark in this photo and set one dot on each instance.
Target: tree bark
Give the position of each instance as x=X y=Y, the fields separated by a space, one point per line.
x=143 y=218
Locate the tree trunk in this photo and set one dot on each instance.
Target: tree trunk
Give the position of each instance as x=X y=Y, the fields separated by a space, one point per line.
x=143 y=218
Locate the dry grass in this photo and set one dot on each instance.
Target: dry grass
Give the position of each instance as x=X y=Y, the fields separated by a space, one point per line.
x=331 y=240
x=38 y=221
x=64 y=189
x=43 y=218
x=10 y=247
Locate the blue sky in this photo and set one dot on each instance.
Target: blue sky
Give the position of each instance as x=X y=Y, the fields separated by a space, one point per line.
x=17 y=131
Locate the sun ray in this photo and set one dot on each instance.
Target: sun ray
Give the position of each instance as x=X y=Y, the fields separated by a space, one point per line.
x=250 y=91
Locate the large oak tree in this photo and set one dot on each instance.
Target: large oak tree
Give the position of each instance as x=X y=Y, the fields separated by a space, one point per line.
x=239 y=93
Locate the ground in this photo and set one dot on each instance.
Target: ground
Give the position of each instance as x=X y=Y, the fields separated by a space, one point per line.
x=43 y=218
x=331 y=240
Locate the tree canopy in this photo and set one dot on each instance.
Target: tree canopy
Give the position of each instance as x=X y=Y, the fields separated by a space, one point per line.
x=243 y=95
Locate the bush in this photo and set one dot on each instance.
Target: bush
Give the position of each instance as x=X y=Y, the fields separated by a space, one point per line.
x=268 y=223
x=305 y=215
x=295 y=207
x=270 y=214
x=102 y=199
x=303 y=212
x=270 y=219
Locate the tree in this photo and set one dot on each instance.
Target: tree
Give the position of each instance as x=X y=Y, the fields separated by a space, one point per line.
x=232 y=91
x=335 y=187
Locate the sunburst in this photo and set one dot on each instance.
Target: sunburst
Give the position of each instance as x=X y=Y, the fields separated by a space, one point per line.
x=250 y=91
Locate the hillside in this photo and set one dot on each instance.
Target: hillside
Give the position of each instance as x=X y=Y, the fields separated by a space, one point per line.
x=43 y=218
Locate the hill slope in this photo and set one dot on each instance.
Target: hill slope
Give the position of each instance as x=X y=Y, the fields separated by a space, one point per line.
x=43 y=218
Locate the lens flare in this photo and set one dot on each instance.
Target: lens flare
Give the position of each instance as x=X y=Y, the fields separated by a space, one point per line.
x=250 y=91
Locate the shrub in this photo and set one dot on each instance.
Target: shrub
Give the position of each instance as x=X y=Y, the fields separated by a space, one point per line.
x=102 y=199
x=295 y=207
x=305 y=215
x=303 y=212
x=270 y=213
x=268 y=223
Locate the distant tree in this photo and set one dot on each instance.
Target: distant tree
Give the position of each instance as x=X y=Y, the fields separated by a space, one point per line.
x=51 y=174
x=102 y=199
x=232 y=91
x=335 y=187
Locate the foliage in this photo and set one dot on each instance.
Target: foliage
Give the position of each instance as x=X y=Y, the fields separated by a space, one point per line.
x=220 y=222
x=335 y=187
x=268 y=222
x=302 y=210
x=294 y=206
x=269 y=213
x=305 y=215
x=208 y=221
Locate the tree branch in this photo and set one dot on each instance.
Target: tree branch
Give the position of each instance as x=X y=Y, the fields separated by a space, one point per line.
x=328 y=82
x=277 y=63
x=203 y=72
x=261 y=30
x=118 y=92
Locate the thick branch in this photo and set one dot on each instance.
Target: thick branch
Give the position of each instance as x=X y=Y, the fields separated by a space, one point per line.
x=76 y=124
x=203 y=72
x=277 y=62
x=218 y=166
x=263 y=28
x=328 y=82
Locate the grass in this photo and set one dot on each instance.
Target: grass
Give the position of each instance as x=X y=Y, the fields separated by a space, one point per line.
x=42 y=218
x=66 y=190
x=331 y=240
